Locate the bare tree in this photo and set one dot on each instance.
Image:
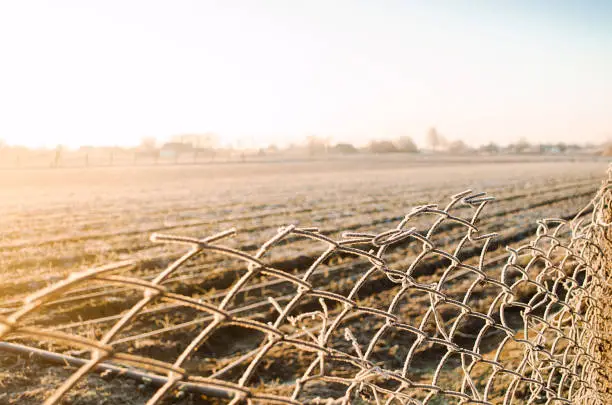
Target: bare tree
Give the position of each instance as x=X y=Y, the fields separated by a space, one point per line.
x=522 y=145
x=435 y=139
x=208 y=140
x=58 y=155
x=406 y=144
x=316 y=145
x=147 y=149
x=491 y=147
x=148 y=143
x=457 y=146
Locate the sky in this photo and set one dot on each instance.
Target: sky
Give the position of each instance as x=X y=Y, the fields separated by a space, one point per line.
x=111 y=72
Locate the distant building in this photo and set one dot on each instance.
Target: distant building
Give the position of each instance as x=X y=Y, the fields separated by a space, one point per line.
x=382 y=147
x=344 y=148
x=550 y=149
x=175 y=149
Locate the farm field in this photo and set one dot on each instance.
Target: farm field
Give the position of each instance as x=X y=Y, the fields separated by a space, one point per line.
x=54 y=222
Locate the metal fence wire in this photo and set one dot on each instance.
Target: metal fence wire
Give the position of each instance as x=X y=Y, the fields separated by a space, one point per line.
x=404 y=316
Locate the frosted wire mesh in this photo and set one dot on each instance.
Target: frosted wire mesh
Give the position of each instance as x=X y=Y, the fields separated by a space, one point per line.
x=441 y=323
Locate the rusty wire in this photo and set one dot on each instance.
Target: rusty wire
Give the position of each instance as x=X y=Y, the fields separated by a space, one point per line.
x=518 y=328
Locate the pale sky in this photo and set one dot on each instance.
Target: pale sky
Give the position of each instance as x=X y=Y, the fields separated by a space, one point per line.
x=110 y=72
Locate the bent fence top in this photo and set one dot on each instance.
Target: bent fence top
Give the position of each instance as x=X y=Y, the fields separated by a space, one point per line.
x=406 y=316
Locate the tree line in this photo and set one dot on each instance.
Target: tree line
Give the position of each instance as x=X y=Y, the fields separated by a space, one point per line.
x=195 y=148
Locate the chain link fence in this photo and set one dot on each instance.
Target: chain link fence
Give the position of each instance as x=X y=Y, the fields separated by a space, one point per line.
x=436 y=314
